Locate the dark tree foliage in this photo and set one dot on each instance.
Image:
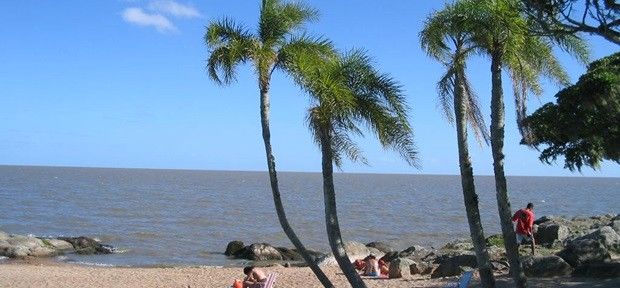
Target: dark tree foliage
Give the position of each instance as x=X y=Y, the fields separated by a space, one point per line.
x=584 y=125
x=599 y=17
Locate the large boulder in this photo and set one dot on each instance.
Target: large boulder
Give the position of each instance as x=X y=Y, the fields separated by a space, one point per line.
x=454 y=266
x=260 y=252
x=59 y=245
x=381 y=246
x=388 y=257
x=548 y=233
x=400 y=267
x=545 y=266
x=85 y=245
x=607 y=236
x=19 y=246
x=233 y=248
x=356 y=249
x=615 y=224
x=584 y=251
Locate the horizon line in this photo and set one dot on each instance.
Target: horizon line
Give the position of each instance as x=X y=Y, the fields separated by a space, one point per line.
x=284 y=171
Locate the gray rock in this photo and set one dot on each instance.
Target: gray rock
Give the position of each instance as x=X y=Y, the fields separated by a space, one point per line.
x=381 y=246
x=19 y=246
x=421 y=268
x=233 y=248
x=615 y=225
x=85 y=245
x=400 y=267
x=59 y=245
x=607 y=236
x=388 y=257
x=549 y=232
x=289 y=254
x=261 y=252
x=453 y=266
x=546 y=266
x=584 y=251
x=3 y=235
x=356 y=249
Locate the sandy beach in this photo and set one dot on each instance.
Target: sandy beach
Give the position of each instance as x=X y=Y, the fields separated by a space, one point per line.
x=52 y=274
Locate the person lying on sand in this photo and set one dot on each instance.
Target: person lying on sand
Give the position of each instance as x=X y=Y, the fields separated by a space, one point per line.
x=254 y=277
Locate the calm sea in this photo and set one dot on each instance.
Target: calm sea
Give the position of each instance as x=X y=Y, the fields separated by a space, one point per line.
x=180 y=217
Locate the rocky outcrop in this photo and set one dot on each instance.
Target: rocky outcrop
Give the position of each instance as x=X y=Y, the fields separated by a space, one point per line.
x=606 y=236
x=454 y=265
x=599 y=270
x=20 y=246
x=550 y=233
x=381 y=246
x=546 y=266
x=233 y=248
x=260 y=252
x=421 y=268
x=400 y=267
x=85 y=245
x=584 y=251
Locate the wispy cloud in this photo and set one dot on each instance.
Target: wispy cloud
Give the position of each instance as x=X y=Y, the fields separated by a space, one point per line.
x=139 y=17
x=173 y=8
x=157 y=12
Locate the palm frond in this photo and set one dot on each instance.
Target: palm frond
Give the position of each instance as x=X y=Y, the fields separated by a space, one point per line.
x=280 y=19
x=230 y=44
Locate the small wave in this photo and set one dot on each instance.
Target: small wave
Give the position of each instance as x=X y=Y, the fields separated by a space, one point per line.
x=2 y=258
x=62 y=258
x=119 y=251
x=92 y=264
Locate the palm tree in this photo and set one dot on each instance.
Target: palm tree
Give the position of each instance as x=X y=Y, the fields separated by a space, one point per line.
x=504 y=35
x=445 y=38
x=349 y=92
x=273 y=47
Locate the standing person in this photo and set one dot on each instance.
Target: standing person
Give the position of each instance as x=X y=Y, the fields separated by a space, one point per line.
x=525 y=224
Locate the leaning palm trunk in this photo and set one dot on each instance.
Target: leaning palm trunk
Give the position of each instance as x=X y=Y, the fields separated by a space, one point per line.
x=331 y=215
x=497 y=146
x=271 y=164
x=467 y=181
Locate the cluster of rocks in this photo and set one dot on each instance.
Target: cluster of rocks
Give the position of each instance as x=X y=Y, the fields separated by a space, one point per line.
x=20 y=246
x=579 y=246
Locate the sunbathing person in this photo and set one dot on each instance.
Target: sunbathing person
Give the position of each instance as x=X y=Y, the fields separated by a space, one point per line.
x=254 y=277
x=372 y=266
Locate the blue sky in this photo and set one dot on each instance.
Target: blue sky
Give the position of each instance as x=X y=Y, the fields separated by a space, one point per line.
x=123 y=84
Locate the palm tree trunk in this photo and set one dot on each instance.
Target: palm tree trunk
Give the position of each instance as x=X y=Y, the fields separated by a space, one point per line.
x=497 y=146
x=277 y=200
x=469 y=190
x=331 y=215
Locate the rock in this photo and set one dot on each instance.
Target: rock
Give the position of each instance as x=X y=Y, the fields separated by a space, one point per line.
x=453 y=266
x=19 y=246
x=599 y=270
x=233 y=248
x=544 y=219
x=3 y=235
x=315 y=255
x=545 y=266
x=388 y=257
x=400 y=267
x=381 y=246
x=549 y=232
x=422 y=268
x=500 y=265
x=289 y=254
x=615 y=225
x=607 y=236
x=583 y=251
x=261 y=252
x=85 y=245
x=356 y=249
x=459 y=245
x=59 y=245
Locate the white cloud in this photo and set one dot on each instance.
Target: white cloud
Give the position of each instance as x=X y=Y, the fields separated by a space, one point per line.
x=173 y=8
x=139 y=17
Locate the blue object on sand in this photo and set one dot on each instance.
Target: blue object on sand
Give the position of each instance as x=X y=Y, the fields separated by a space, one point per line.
x=463 y=280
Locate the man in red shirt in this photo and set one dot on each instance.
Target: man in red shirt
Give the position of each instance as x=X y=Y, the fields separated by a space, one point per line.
x=525 y=224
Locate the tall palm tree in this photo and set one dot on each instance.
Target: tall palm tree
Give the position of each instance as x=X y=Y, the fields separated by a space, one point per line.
x=348 y=92
x=504 y=35
x=273 y=47
x=445 y=38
